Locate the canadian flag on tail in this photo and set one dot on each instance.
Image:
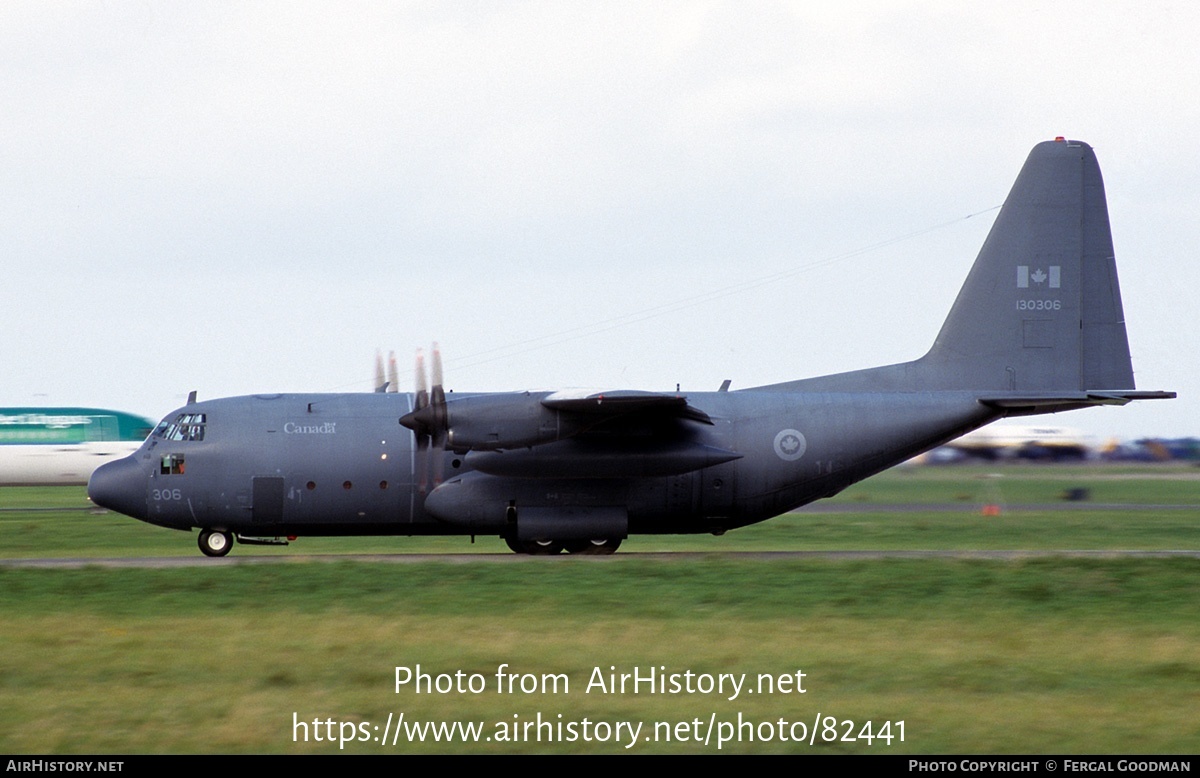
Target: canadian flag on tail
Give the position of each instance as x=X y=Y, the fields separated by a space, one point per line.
x=1039 y=277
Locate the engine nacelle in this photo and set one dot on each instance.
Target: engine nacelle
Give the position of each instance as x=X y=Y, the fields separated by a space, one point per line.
x=501 y=421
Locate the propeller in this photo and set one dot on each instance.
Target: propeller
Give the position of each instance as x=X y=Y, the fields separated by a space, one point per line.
x=389 y=384
x=429 y=421
x=381 y=384
x=393 y=385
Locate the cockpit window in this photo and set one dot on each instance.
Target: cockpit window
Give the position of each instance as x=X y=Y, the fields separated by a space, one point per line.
x=185 y=426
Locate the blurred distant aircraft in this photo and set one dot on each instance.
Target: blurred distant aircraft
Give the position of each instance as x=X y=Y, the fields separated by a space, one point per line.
x=62 y=446
x=1032 y=442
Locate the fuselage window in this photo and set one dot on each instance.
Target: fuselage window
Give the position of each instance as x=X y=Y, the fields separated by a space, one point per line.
x=172 y=464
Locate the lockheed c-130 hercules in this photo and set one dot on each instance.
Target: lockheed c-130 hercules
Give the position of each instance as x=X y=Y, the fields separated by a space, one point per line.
x=1037 y=328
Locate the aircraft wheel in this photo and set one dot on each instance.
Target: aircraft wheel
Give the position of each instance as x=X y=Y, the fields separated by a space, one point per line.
x=536 y=547
x=601 y=547
x=215 y=542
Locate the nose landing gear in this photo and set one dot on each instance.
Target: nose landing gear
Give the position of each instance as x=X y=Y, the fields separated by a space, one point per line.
x=215 y=542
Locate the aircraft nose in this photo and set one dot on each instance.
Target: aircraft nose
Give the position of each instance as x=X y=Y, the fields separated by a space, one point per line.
x=120 y=486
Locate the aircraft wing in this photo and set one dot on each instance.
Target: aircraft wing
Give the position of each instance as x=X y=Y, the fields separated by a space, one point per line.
x=624 y=401
x=584 y=434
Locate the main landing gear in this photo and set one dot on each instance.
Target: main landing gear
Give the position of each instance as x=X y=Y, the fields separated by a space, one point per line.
x=600 y=546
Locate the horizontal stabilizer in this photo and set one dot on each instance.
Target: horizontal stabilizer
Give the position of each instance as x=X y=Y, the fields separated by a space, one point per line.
x=1068 y=400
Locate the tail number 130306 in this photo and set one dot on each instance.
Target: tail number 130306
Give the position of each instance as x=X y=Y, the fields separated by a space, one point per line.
x=1039 y=305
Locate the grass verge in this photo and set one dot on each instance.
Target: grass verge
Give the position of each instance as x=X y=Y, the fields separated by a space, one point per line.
x=1048 y=655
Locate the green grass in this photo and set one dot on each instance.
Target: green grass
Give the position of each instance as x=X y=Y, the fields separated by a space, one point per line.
x=1055 y=656
x=1042 y=655
x=1134 y=484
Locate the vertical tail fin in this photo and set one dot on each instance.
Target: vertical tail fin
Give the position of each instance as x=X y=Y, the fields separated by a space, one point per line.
x=1041 y=308
x=1038 y=325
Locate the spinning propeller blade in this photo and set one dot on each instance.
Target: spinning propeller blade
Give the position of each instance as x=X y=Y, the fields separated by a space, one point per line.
x=380 y=382
x=428 y=421
x=393 y=383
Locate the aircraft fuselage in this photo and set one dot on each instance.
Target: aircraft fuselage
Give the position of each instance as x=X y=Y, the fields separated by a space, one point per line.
x=276 y=465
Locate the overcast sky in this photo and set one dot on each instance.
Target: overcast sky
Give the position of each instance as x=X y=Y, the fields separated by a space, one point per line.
x=247 y=197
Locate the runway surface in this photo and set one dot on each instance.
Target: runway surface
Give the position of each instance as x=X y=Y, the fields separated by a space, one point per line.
x=508 y=558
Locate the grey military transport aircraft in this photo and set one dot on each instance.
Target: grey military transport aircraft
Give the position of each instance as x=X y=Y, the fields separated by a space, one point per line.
x=1037 y=328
